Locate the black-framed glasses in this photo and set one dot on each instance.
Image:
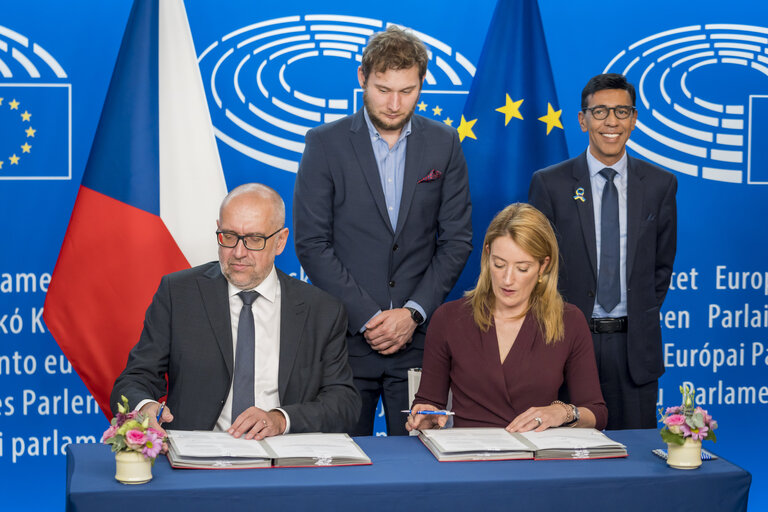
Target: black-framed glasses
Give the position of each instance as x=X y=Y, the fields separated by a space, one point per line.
x=229 y=240
x=600 y=112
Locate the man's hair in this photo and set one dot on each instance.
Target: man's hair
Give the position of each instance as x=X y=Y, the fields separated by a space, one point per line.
x=263 y=191
x=606 y=81
x=394 y=49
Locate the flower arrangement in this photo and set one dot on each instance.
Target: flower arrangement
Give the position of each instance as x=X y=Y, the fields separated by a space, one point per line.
x=687 y=421
x=130 y=431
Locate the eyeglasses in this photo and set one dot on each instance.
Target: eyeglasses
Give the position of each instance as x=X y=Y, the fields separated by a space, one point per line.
x=600 y=112
x=251 y=242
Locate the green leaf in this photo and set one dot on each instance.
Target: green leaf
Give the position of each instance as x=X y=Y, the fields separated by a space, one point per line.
x=670 y=438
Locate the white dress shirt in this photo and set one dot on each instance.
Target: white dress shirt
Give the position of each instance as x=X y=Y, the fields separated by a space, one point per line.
x=266 y=316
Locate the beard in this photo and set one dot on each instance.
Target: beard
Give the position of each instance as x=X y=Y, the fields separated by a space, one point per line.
x=383 y=124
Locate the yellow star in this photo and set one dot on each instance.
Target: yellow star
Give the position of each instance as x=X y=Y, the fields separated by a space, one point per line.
x=1 y=101
x=437 y=111
x=25 y=116
x=26 y=147
x=448 y=121
x=422 y=106
x=510 y=109
x=14 y=104
x=14 y=159
x=30 y=132
x=1 y=164
x=552 y=118
x=465 y=129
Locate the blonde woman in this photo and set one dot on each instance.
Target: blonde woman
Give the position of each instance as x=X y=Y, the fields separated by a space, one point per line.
x=508 y=347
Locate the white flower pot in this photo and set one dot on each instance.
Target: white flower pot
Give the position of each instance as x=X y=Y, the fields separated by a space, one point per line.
x=685 y=456
x=132 y=468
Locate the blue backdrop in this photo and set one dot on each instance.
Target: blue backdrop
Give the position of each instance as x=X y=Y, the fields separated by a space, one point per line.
x=703 y=72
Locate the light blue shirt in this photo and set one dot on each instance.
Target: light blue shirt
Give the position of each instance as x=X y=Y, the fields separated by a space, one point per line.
x=598 y=183
x=391 y=163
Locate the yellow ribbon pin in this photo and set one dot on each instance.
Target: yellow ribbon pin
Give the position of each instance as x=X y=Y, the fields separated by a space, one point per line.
x=579 y=195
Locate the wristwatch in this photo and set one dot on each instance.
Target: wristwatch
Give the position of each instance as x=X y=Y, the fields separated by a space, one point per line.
x=416 y=316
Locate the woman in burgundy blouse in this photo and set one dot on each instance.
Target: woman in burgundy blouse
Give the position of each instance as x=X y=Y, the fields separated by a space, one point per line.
x=509 y=345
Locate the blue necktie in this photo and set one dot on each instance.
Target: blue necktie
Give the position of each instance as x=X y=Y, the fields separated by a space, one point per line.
x=608 y=280
x=242 y=388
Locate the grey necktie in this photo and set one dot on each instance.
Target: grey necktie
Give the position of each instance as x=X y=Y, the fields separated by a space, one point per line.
x=608 y=281
x=242 y=388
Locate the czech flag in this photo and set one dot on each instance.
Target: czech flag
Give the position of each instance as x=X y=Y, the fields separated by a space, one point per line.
x=148 y=201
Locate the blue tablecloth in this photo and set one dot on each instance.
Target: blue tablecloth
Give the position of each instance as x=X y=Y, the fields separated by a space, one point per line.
x=405 y=475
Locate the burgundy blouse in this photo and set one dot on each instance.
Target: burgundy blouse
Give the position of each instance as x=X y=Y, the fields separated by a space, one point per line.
x=487 y=393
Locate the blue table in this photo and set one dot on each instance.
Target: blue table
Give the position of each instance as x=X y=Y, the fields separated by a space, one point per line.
x=405 y=475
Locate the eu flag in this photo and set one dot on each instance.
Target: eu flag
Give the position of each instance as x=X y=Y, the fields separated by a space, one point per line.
x=511 y=125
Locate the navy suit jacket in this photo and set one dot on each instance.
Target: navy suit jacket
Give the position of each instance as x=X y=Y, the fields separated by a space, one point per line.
x=344 y=238
x=651 y=246
x=188 y=335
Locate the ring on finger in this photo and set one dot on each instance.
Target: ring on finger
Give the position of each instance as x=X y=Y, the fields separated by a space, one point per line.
x=264 y=422
x=538 y=420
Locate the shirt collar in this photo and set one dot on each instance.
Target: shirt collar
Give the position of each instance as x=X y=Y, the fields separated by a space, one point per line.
x=267 y=288
x=406 y=131
x=595 y=165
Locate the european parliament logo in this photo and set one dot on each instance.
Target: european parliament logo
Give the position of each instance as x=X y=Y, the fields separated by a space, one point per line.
x=702 y=100
x=272 y=81
x=35 y=107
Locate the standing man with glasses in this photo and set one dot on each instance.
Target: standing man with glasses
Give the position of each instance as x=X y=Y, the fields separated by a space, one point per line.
x=616 y=221
x=245 y=348
x=383 y=220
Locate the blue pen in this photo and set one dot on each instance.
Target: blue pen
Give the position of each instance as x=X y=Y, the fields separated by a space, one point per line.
x=160 y=412
x=435 y=413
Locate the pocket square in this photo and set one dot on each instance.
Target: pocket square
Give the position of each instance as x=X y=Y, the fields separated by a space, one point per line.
x=433 y=175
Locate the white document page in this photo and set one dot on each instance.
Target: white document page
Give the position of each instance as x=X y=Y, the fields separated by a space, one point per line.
x=195 y=443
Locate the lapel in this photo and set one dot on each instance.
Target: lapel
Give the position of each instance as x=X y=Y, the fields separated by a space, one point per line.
x=213 y=290
x=293 y=316
x=414 y=154
x=635 y=198
x=586 y=209
x=361 y=144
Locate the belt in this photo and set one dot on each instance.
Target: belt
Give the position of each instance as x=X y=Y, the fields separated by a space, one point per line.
x=608 y=325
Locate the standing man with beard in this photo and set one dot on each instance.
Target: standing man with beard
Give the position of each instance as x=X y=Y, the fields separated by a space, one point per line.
x=382 y=217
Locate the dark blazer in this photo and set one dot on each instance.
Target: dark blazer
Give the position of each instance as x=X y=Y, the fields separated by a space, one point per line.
x=188 y=335
x=489 y=393
x=651 y=246
x=344 y=239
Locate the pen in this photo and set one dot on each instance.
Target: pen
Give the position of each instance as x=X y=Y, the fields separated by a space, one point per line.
x=160 y=412
x=436 y=413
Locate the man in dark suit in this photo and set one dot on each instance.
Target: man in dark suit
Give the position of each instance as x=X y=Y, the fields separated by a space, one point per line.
x=616 y=220
x=382 y=221
x=258 y=363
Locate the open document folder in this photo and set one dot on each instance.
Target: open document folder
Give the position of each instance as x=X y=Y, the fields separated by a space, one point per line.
x=219 y=450
x=462 y=444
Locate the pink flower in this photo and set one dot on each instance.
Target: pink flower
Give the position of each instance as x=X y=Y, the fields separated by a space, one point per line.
x=153 y=444
x=675 y=419
x=699 y=434
x=109 y=433
x=135 y=439
x=673 y=410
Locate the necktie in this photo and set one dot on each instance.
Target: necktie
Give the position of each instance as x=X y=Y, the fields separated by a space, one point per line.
x=242 y=388
x=608 y=280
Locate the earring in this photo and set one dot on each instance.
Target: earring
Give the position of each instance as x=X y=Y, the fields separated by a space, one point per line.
x=539 y=278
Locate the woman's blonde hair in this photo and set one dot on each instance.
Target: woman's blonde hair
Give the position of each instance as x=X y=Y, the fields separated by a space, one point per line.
x=530 y=230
